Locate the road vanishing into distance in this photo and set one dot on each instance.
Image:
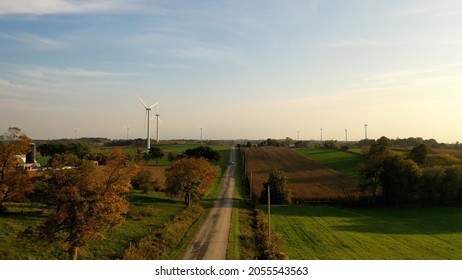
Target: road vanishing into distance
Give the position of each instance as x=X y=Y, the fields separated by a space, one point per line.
x=211 y=240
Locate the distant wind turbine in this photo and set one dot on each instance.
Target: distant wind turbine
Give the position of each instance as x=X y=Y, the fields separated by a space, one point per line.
x=148 y=110
x=157 y=122
x=75 y=132
x=128 y=130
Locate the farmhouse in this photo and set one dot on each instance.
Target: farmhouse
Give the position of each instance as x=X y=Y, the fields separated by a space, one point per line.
x=28 y=160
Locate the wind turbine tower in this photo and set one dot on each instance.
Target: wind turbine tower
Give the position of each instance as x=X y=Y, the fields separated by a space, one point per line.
x=201 y=133
x=157 y=121
x=365 y=131
x=75 y=132
x=346 y=135
x=148 y=110
x=128 y=130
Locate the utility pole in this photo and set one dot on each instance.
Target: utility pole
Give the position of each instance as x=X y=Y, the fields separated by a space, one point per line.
x=269 y=217
x=321 y=136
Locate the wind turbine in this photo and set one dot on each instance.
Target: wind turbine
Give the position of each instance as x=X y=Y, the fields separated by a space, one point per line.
x=148 y=110
x=157 y=122
x=128 y=129
x=75 y=132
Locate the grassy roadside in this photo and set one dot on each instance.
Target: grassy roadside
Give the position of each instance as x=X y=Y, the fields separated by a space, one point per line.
x=233 y=252
x=241 y=245
x=171 y=240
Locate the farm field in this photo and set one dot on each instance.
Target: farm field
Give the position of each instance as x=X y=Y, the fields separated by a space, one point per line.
x=307 y=179
x=331 y=233
x=344 y=162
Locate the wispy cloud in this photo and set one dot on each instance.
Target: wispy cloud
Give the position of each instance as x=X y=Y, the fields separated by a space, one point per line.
x=347 y=43
x=430 y=9
x=34 y=41
x=43 y=7
x=413 y=75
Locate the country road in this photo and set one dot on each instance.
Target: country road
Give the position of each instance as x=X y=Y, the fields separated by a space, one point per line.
x=211 y=240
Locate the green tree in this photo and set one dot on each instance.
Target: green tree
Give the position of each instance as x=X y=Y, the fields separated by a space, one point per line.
x=381 y=146
x=369 y=179
x=203 y=152
x=419 y=153
x=189 y=178
x=13 y=181
x=399 y=178
x=143 y=180
x=277 y=184
x=83 y=202
x=171 y=157
x=155 y=153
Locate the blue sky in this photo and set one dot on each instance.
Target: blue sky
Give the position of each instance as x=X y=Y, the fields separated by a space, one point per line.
x=239 y=69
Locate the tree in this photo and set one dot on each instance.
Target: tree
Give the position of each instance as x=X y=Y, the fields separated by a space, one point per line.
x=83 y=202
x=155 y=153
x=77 y=148
x=143 y=180
x=399 y=178
x=419 y=153
x=171 y=157
x=381 y=146
x=369 y=179
x=189 y=178
x=12 y=180
x=203 y=152
x=279 y=194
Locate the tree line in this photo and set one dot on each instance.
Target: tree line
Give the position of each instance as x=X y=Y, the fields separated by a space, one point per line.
x=420 y=178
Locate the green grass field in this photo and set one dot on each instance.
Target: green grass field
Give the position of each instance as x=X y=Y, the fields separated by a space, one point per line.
x=147 y=211
x=344 y=162
x=329 y=233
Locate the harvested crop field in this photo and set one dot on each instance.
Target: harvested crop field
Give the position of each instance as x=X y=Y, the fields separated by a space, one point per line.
x=307 y=179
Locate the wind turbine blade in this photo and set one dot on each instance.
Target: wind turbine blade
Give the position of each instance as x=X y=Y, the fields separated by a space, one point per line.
x=153 y=105
x=145 y=106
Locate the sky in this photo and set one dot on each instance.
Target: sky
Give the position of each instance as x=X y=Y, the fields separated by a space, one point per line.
x=241 y=69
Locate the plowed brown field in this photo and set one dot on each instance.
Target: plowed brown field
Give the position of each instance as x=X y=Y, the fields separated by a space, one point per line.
x=307 y=179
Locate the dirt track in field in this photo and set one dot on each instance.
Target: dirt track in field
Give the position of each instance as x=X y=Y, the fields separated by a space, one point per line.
x=307 y=179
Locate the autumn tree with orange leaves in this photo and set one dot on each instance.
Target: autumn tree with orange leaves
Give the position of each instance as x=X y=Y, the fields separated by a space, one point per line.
x=189 y=178
x=14 y=180
x=84 y=202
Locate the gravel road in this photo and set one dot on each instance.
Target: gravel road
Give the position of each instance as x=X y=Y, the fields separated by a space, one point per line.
x=211 y=240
